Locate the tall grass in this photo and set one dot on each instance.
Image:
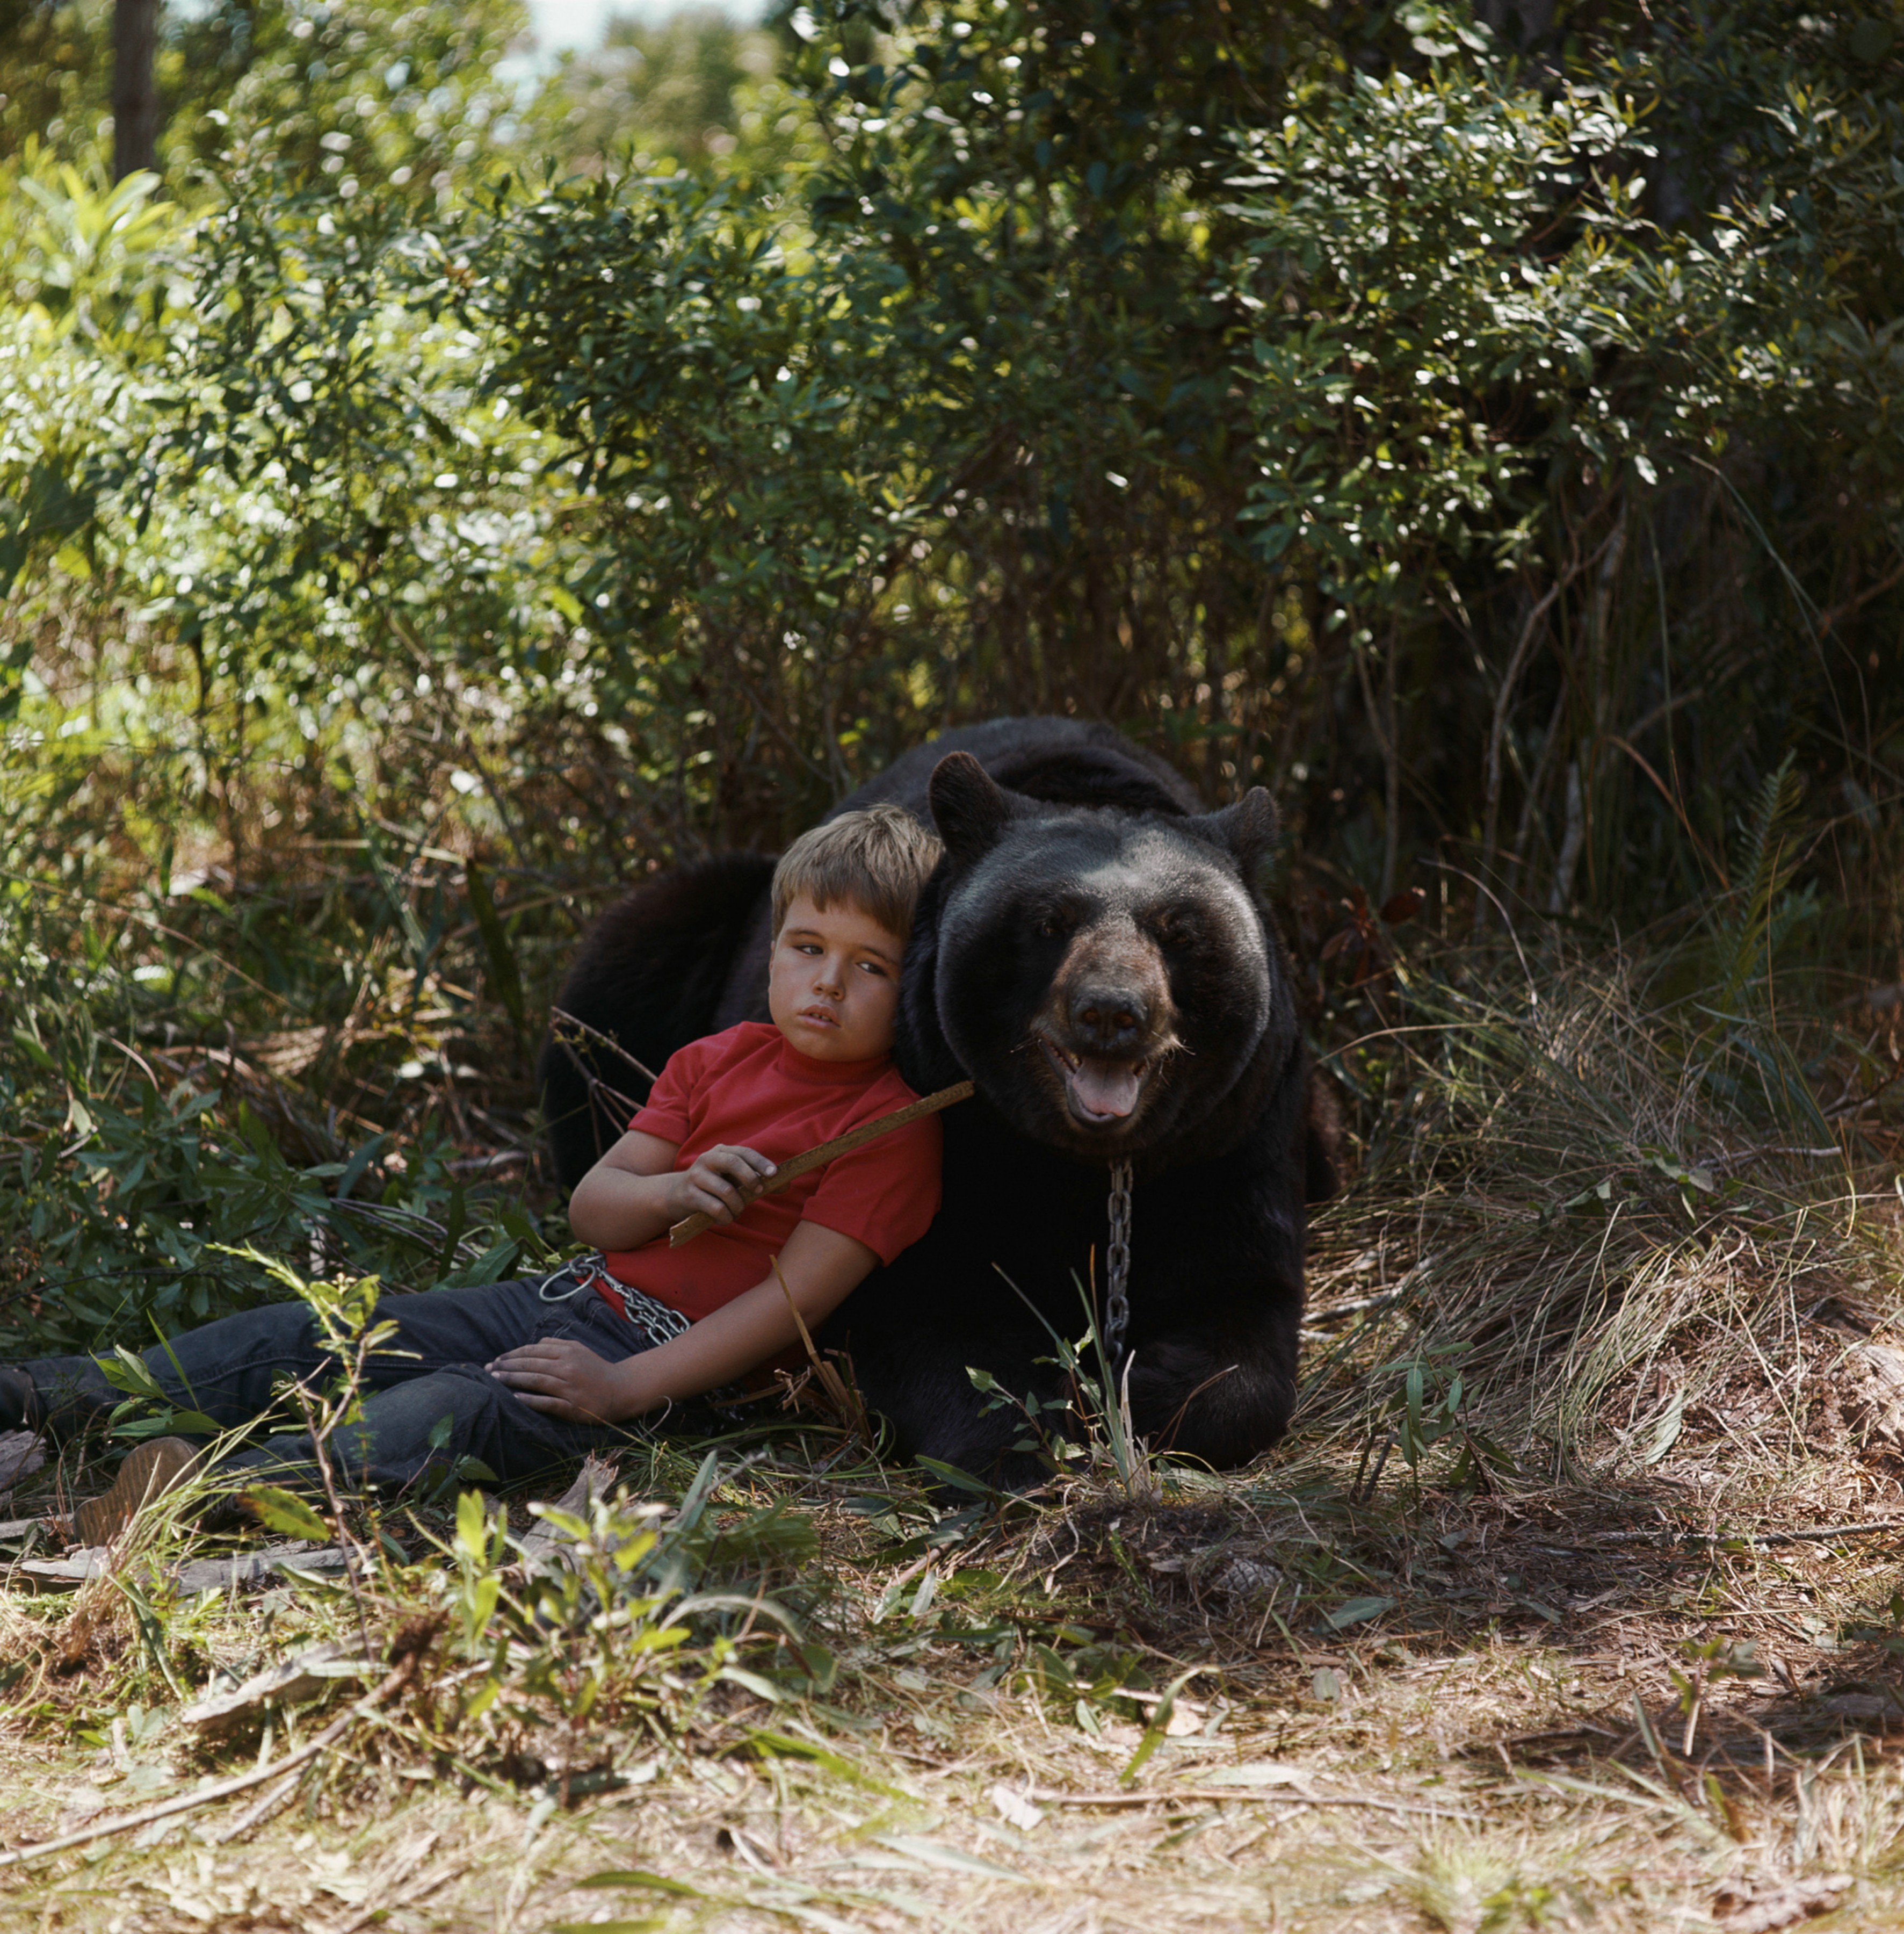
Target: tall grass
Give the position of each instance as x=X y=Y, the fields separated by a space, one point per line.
x=1572 y=1179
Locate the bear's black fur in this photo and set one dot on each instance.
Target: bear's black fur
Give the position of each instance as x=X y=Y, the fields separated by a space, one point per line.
x=1096 y=955
x=650 y=976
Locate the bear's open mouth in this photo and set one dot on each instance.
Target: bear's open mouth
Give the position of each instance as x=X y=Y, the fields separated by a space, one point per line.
x=1100 y=1093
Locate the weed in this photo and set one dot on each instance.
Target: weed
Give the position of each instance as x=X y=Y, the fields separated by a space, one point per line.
x=1085 y=1432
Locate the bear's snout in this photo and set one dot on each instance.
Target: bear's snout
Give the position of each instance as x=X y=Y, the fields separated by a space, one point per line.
x=1111 y=993
x=1108 y=1020
x=1107 y=1024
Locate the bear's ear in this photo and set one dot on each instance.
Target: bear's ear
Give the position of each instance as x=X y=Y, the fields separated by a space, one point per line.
x=1248 y=828
x=969 y=807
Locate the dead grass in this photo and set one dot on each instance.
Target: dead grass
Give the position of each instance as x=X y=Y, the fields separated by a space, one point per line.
x=1557 y=1656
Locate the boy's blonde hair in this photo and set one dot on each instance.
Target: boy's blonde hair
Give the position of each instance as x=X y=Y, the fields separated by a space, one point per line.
x=875 y=859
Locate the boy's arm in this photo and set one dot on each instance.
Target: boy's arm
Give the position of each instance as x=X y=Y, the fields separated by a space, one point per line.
x=568 y=1380
x=634 y=1192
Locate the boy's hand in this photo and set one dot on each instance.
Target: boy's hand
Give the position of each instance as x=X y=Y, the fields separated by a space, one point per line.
x=721 y=1183
x=566 y=1379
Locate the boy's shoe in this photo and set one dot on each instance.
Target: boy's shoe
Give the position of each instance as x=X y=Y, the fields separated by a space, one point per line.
x=150 y=1471
x=20 y=1407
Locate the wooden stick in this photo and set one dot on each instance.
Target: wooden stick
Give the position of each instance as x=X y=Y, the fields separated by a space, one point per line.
x=222 y=1789
x=1292 y=1795
x=791 y=1170
x=1665 y=1540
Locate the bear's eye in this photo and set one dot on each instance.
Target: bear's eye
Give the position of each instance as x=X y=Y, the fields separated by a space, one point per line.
x=1055 y=923
x=1174 y=929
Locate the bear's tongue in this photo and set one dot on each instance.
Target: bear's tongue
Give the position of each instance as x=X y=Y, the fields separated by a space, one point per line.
x=1105 y=1087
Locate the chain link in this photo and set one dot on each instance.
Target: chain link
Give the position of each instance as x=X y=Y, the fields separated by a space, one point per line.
x=1117 y=1270
x=654 y=1319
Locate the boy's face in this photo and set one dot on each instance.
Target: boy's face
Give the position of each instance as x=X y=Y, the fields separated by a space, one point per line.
x=833 y=982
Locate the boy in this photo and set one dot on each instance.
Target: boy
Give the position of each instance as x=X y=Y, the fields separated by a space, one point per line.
x=522 y=1374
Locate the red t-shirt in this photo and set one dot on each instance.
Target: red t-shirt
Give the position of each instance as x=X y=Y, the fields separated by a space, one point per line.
x=751 y=1088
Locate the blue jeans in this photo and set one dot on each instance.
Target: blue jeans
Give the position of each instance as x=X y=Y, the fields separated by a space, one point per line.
x=428 y=1402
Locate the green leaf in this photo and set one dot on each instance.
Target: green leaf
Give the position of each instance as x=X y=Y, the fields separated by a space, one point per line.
x=361 y=1158
x=125 y=1372
x=494 y=1265
x=959 y=1480
x=641 y=1877
x=752 y=1682
x=170 y=1422
x=472 y=1527
x=785 y=1744
x=1666 y=1432
x=1359 y=1611
x=1154 y=1732
x=649 y=1923
x=936 y=1854
x=284 y=1513
x=24 y=1040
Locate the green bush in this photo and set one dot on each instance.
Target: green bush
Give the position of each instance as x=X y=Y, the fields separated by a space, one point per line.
x=1486 y=439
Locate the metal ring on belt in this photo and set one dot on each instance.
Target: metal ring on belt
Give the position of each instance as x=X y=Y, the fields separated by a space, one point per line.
x=654 y=1319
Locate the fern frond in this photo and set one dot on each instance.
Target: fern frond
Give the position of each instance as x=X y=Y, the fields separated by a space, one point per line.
x=1761 y=864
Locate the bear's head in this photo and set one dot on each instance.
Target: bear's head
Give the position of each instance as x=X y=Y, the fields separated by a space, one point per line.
x=1108 y=978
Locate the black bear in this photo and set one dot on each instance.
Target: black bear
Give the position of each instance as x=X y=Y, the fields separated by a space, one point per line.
x=1095 y=953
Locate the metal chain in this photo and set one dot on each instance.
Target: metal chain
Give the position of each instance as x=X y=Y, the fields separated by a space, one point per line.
x=1117 y=1260
x=654 y=1319
x=658 y=1322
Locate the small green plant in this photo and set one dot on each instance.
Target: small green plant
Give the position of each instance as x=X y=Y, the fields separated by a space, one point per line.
x=1704 y=1664
x=345 y=1315
x=148 y=1411
x=1424 y=1413
x=1086 y=1428
x=629 y=1586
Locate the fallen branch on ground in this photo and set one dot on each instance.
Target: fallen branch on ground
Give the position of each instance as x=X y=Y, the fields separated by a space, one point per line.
x=1293 y=1793
x=223 y=1789
x=1660 y=1540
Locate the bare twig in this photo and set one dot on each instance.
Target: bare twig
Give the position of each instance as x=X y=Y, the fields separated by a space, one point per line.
x=561 y=1022
x=1821 y=1534
x=845 y=1400
x=1273 y=1795
x=320 y=1454
x=1355 y=1302
x=486 y=1165
x=561 y=1018
x=1738 y=1158
x=263 y=1808
x=1666 y=792
x=223 y=1789
x=380 y=1905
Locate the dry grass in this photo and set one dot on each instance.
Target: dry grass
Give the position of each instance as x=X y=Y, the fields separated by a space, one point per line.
x=1554 y=1657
